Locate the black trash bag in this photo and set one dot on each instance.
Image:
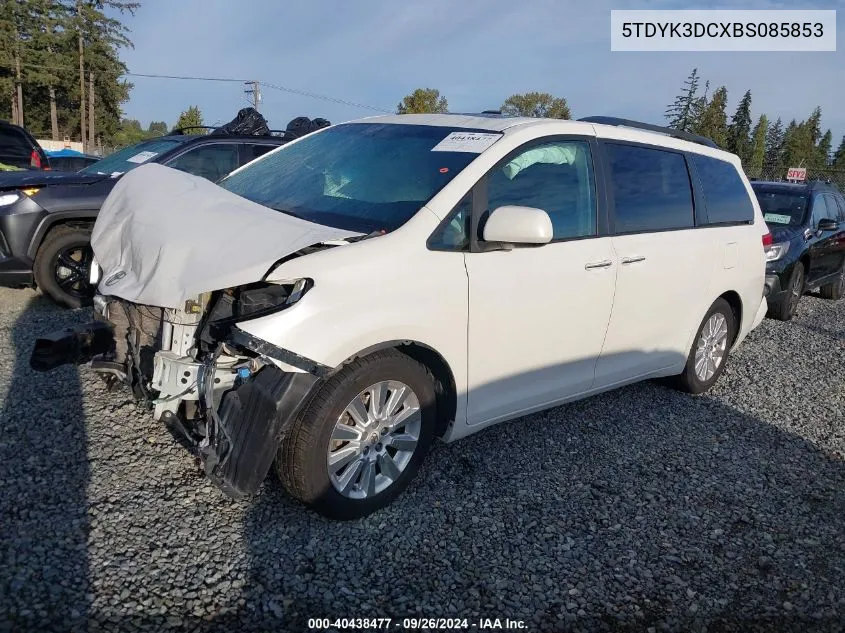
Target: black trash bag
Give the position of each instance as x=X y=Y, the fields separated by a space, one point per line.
x=319 y=124
x=248 y=122
x=302 y=125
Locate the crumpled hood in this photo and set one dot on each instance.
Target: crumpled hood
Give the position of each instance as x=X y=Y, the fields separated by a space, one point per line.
x=163 y=237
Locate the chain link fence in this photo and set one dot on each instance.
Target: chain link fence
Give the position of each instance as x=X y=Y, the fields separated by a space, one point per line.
x=778 y=173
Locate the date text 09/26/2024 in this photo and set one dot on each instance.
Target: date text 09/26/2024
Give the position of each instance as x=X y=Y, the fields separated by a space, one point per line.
x=415 y=624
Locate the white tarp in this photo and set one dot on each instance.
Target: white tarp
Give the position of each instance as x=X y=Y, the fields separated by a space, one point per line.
x=164 y=236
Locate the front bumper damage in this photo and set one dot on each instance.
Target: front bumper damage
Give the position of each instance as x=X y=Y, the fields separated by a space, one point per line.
x=231 y=414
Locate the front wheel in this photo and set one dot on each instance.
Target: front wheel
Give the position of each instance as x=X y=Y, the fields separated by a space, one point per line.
x=62 y=266
x=362 y=438
x=709 y=353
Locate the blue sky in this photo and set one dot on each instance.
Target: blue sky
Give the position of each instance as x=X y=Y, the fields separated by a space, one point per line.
x=476 y=52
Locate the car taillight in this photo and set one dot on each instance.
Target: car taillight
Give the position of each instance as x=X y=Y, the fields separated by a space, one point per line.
x=35 y=160
x=767 y=241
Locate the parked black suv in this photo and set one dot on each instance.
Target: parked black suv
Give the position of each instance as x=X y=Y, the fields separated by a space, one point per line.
x=807 y=223
x=19 y=149
x=46 y=217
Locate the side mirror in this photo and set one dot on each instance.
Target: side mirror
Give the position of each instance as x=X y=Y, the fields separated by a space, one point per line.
x=828 y=225
x=518 y=225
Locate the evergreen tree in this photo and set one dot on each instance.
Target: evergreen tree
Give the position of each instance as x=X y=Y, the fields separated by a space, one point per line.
x=774 y=144
x=758 y=147
x=839 y=156
x=823 y=150
x=795 y=141
x=713 y=122
x=190 y=117
x=739 y=131
x=157 y=128
x=681 y=114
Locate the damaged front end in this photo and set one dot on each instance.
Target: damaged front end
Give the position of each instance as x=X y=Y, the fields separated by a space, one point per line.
x=225 y=395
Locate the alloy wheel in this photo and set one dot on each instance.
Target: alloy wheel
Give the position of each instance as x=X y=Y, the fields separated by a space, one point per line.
x=374 y=439
x=72 y=270
x=796 y=289
x=711 y=346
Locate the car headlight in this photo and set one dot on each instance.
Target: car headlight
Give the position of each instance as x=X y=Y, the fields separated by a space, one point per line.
x=265 y=298
x=9 y=198
x=776 y=251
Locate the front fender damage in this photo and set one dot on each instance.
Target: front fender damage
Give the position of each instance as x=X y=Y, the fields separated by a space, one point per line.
x=243 y=430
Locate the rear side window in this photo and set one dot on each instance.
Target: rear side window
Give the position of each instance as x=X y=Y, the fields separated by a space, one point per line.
x=725 y=194
x=651 y=189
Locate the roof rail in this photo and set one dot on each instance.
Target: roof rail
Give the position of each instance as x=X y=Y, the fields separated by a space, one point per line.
x=183 y=130
x=686 y=136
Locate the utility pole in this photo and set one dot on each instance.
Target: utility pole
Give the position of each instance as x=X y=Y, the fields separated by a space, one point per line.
x=19 y=90
x=90 y=109
x=255 y=91
x=81 y=73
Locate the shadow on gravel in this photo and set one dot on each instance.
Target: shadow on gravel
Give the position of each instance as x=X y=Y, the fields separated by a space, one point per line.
x=639 y=508
x=43 y=477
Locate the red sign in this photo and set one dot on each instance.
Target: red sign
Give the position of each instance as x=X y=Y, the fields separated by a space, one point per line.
x=796 y=173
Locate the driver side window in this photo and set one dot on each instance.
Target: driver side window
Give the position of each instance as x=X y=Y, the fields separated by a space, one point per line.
x=556 y=177
x=209 y=161
x=820 y=211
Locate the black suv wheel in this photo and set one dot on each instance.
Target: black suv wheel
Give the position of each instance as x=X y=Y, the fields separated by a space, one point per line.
x=63 y=265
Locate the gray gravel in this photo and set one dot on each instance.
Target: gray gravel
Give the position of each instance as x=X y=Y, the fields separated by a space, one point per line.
x=641 y=510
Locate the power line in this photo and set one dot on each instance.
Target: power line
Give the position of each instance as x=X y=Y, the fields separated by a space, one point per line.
x=325 y=98
x=304 y=93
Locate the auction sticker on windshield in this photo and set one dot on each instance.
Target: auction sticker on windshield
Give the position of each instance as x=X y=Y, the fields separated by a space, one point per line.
x=777 y=218
x=471 y=142
x=141 y=157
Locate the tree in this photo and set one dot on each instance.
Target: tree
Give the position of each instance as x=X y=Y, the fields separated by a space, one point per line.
x=422 y=101
x=157 y=128
x=774 y=143
x=190 y=117
x=536 y=104
x=739 y=131
x=713 y=122
x=823 y=150
x=105 y=35
x=681 y=114
x=758 y=147
x=839 y=156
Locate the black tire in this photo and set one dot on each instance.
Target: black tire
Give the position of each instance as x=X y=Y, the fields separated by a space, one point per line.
x=785 y=309
x=301 y=462
x=689 y=380
x=835 y=290
x=68 y=247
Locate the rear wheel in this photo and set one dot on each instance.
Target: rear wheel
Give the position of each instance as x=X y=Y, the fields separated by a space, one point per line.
x=709 y=353
x=836 y=289
x=785 y=309
x=63 y=266
x=362 y=438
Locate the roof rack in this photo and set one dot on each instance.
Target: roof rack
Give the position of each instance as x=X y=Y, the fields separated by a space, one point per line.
x=686 y=136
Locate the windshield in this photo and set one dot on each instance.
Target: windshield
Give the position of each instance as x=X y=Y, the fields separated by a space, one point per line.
x=360 y=177
x=782 y=207
x=132 y=156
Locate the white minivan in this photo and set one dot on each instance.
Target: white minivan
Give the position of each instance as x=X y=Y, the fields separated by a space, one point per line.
x=341 y=301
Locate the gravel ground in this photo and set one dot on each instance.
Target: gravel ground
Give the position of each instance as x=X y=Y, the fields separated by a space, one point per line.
x=640 y=510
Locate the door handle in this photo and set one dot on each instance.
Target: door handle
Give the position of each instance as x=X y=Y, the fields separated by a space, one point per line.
x=633 y=260
x=594 y=265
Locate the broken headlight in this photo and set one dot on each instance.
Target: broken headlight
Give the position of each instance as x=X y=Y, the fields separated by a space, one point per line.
x=265 y=298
